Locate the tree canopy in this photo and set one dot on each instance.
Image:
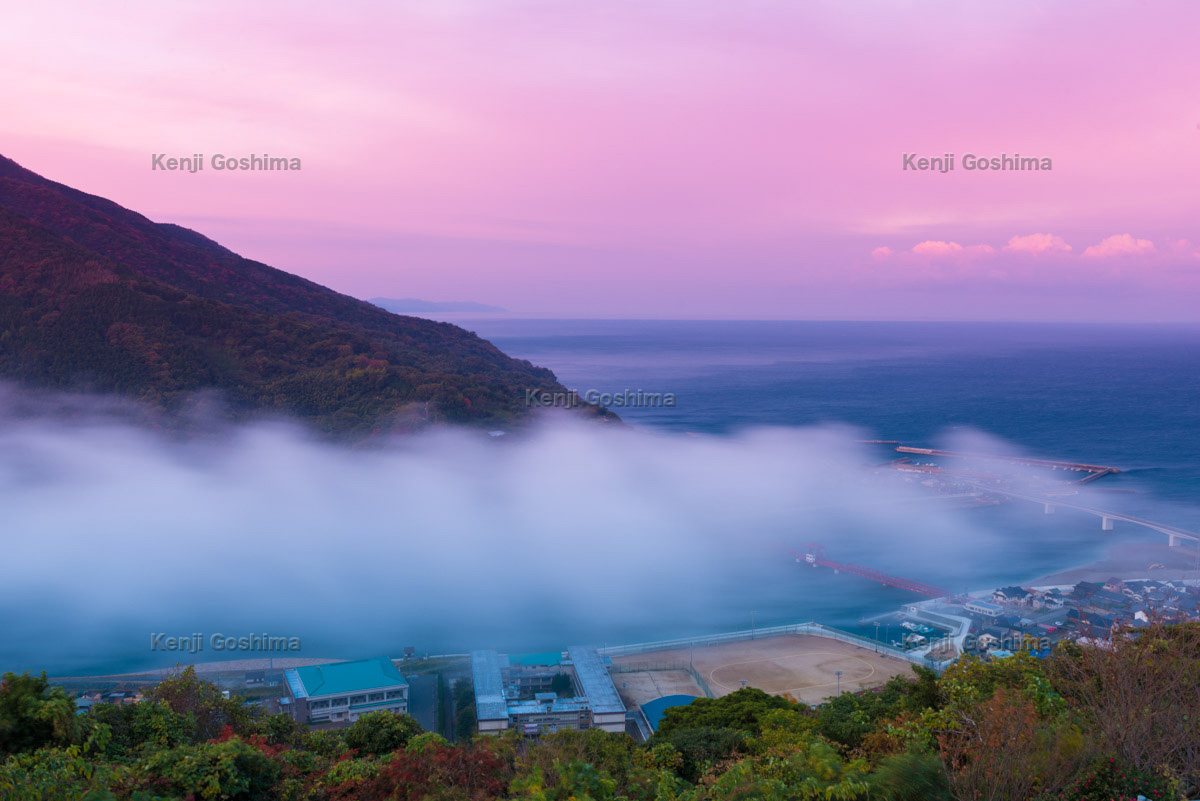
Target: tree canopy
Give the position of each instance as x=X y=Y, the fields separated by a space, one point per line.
x=1084 y=724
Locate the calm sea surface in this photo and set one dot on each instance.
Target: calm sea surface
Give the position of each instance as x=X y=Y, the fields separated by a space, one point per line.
x=1126 y=396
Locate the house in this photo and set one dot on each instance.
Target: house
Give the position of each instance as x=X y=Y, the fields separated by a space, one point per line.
x=1008 y=621
x=1091 y=593
x=1052 y=599
x=122 y=698
x=983 y=609
x=1132 y=594
x=340 y=692
x=1011 y=595
x=1095 y=619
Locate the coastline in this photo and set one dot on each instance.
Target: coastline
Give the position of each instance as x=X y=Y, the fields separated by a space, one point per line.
x=1130 y=561
x=206 y=668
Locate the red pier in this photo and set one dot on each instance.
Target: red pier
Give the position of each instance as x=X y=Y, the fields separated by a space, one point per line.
x=815 y=556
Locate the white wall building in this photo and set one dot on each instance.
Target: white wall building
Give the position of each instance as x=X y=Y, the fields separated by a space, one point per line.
x=342 y=691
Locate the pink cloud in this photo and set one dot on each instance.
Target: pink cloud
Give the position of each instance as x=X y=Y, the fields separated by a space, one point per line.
x=1120 y=245
x=1037 y=243
x=881 y=252
x=1184 y=247
x=933 y=247
x=940 y=249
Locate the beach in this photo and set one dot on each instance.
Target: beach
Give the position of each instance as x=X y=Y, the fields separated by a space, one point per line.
x=1131 y=561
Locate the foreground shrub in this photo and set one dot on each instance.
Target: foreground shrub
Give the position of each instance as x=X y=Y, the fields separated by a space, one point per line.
x=1111 y=780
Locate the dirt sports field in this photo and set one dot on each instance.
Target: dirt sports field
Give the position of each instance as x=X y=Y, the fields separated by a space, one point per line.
x=799 y=664
x=646 y=685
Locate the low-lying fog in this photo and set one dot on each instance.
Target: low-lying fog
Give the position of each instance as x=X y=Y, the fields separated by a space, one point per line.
x=452 y=539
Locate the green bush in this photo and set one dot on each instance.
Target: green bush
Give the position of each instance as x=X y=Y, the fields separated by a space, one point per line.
x=381 y=732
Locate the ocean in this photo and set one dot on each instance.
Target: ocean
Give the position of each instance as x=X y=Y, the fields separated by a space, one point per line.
x=1125 y=395
x=1121 y=395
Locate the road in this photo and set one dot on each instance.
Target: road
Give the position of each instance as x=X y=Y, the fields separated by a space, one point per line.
x=423 y=700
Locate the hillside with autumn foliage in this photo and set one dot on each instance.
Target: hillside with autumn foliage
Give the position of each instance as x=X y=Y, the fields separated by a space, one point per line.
x=95 y=297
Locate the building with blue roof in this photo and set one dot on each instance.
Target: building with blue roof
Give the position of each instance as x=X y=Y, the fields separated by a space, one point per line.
x=340 y=692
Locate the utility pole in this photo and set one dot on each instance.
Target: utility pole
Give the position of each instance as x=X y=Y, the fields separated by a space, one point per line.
x=839 y=681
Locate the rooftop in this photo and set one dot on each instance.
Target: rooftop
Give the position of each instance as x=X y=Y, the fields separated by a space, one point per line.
x=489 y=686
x=339 y=678
x=544 y=707
x=594 y=679
x=654 y=710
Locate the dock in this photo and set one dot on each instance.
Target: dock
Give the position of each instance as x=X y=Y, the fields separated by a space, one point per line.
x=1094 y=471
x=815 y=556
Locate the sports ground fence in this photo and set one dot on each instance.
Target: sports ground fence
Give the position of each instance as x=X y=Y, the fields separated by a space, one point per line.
x=662 y=666
x=813 y=629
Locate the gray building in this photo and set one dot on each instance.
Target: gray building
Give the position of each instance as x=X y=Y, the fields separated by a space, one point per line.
x=506 y=695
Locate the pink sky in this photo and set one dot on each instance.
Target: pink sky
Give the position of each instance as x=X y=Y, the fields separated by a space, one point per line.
x=652 y=158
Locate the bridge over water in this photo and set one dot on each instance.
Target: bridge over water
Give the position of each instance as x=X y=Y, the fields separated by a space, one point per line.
x=1107 y=518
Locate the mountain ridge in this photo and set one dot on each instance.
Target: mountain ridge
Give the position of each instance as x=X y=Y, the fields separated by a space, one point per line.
x=96 y=296
x=417 y=305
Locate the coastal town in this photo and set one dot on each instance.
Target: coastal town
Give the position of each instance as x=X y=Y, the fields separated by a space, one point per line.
x=628 y=688
x=1035 y=619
